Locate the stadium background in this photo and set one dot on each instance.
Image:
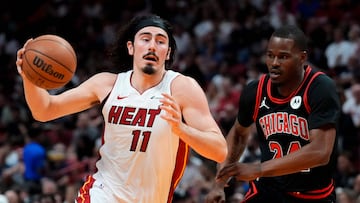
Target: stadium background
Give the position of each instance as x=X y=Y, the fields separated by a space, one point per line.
x=220 y=43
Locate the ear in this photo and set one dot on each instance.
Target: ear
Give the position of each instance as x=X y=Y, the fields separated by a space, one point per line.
x=303 y=56
x=130 y=47
x=168 y=54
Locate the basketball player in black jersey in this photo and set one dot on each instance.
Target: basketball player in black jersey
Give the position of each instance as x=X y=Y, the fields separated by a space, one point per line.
x=295 y=109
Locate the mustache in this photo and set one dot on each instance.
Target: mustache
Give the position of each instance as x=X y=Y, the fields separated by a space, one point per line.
x=151 y=54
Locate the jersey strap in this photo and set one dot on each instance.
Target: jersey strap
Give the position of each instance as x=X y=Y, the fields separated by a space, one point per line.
x=258 y=96
x=306 y=102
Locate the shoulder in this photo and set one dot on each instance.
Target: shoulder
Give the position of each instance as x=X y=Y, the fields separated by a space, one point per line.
x=252 y=84
x=323 y=82
x=251 y=88
x=101 y=83
x=105 y=76
x=103 y=79
x=181 y=80
x=186 y=89
x=323 y=90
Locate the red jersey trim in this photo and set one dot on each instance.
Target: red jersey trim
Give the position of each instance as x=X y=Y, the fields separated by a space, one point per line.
x=315 y=194
x=180 y=165
x=306 y=103
x=287 y=99
x=258 y=96
x=251 y=192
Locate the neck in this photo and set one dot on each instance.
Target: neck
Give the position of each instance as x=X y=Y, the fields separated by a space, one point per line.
x=142 y=81
x=285 y=90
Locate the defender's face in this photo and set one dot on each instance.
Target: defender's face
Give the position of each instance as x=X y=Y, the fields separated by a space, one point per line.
x=150 y=49
x=284 y=60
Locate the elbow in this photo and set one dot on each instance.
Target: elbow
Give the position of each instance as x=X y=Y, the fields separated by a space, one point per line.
x=323 y=158
x=39 y=117
x=222 y=154
x=223 y=157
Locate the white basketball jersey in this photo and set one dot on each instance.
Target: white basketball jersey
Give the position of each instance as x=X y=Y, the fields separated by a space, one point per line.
x=141 y=159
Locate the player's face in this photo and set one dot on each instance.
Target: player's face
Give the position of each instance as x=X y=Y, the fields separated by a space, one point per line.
x=284 y=61
x=150 y=49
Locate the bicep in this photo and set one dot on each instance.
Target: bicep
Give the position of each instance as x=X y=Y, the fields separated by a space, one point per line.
x=80 y=98
x=323 y=139
x=239 y=133
x=73 y=100
x=193 y=103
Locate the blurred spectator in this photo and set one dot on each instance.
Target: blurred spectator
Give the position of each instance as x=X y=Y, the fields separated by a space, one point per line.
x=345 y=195
x=338 y=52
x=35 y=160
x=196 y=181
x=281 y=15
x=13 y=168
x=351 y=105
x=347 y=132
x=252 y=151
x=307 y=9
x=183 y=39
x=228 y=104
x=84 y=126
x=216 y=39
x=346 y=171
x=13 y=196
x=3 y=199
x=356 y=186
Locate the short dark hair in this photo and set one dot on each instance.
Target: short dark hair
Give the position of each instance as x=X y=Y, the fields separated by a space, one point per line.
x=295 y=33
x=127 y=33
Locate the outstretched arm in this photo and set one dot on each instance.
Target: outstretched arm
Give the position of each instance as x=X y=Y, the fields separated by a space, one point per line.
x=316 y=153
x=45 y=107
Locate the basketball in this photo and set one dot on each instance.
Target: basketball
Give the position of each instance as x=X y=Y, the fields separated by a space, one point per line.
x=49 y=61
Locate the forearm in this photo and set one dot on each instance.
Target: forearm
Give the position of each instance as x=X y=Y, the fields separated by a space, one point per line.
x=236 y=141
x=210 y=144
x=38 y=99
x=289 y=164
x=314 y=154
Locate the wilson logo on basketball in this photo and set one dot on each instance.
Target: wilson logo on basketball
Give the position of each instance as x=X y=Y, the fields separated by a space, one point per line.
x=47 y=68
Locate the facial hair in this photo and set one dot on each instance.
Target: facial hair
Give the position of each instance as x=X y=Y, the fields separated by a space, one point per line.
x=148 y=69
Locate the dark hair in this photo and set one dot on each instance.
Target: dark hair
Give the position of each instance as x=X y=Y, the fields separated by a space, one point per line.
x=295 y=33
x=119 y=53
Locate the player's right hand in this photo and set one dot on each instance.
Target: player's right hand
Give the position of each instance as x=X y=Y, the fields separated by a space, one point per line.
x=216 y=195
x=19 y=55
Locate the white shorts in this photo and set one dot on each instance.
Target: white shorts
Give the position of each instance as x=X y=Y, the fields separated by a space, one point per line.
x=94 y=191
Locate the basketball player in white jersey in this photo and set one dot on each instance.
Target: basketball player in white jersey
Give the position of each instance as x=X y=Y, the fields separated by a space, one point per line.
x=152 y=116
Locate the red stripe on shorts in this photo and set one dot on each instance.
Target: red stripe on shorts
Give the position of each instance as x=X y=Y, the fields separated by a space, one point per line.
x=84 y=196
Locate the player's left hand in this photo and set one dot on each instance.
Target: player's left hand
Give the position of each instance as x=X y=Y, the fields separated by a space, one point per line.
x=240 y=171
x=173 y=112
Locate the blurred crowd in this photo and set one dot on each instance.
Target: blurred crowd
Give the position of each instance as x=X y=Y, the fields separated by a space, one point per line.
x=221 y=43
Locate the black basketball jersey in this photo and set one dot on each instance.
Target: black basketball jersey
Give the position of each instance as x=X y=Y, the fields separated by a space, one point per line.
x=284 y=124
